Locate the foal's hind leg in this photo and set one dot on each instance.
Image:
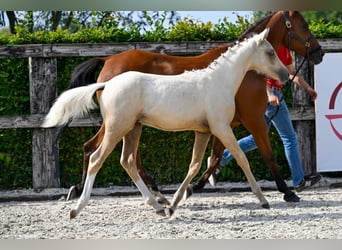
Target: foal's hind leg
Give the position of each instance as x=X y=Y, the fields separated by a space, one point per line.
x=215 y=158
x=89 y=147
x=128 y=161
x=95 y=163
x=150 y=183
x=200 y=145
x=229 y=141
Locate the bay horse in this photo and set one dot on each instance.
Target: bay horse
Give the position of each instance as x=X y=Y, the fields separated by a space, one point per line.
x=287 y=28
x=199 y=100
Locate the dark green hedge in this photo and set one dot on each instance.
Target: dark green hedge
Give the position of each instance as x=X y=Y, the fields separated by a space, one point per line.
x=165 y=155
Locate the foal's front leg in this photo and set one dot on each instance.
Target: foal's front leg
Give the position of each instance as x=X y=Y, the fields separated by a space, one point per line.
x=229 y=141
x=200 y=145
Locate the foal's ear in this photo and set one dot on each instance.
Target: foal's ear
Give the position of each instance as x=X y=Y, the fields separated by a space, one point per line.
x=263 y=35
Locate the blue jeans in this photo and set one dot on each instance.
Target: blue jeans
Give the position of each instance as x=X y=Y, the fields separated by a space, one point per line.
x=283 y=124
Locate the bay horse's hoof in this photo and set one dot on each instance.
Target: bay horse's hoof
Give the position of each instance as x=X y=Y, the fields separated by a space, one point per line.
x=73 y=193
x=265 y=205
x=73 y=214
x=291 y=197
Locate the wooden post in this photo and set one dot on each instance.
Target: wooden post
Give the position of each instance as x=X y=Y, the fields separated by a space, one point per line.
x=43 y=91
x=305 y=129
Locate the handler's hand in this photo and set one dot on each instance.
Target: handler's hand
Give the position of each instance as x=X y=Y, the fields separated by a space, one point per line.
x=273 y=100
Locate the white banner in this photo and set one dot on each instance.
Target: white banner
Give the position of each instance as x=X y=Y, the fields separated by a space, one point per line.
x=328 y=84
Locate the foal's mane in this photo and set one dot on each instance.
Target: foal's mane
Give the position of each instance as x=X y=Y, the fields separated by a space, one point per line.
x=224 y=54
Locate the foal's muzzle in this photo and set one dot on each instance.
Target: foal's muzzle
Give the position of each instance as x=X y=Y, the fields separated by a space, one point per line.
x=284 y=76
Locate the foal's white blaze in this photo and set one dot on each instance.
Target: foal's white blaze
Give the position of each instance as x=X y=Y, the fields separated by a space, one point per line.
x=200 y=100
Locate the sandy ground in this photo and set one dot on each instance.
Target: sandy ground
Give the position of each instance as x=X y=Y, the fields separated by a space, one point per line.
x=226 y=214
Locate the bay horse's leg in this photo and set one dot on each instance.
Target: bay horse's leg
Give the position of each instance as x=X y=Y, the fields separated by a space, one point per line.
x=229 y=141
x=200 y=145
x=260 y=134
x=128 y=161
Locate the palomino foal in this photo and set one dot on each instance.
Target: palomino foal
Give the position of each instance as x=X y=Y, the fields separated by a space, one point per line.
x=181 y=102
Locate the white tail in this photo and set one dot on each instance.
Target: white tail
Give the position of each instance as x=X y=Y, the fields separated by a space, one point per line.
x=71 y=104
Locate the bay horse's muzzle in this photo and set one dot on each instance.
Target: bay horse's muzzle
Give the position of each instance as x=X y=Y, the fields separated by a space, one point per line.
x=316 y=55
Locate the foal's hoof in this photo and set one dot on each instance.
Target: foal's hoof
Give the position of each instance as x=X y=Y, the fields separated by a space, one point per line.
x=265 y=205
x=161 y=213
x=73 y=214
x=163 y=201
x=291 y=197
x=169 y=212
x=73 y=193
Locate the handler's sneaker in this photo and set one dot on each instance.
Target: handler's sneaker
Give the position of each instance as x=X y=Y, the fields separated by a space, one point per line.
x=309 y=181
x=212 y=178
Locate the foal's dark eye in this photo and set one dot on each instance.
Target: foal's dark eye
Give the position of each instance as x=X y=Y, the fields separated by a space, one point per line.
x=271 y=53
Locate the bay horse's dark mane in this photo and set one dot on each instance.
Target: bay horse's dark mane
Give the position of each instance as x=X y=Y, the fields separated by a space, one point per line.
x=247 y=33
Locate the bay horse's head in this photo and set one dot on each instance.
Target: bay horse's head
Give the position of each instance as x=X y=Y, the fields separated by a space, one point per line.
x=290 y=29
x=300 y=38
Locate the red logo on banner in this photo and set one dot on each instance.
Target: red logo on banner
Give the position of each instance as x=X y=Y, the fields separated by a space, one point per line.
x=332 y=106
